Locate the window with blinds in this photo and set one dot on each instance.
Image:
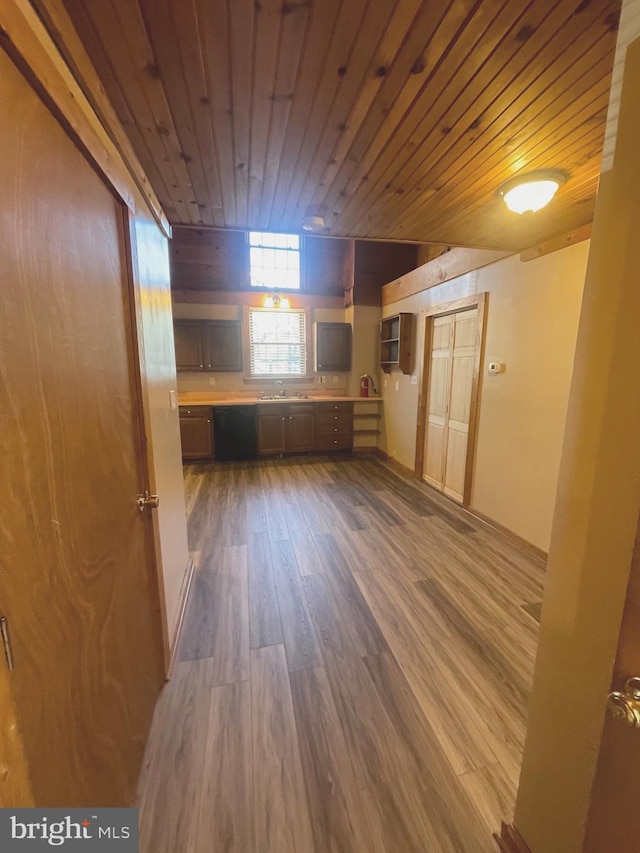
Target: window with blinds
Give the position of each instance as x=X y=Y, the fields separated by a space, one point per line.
x=277 y=342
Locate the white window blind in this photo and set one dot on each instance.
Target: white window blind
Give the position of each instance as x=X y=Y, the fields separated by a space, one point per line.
x=277 y=342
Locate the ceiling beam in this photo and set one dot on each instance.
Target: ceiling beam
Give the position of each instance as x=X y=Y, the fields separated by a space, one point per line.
x=561 y=242
x=450 y=265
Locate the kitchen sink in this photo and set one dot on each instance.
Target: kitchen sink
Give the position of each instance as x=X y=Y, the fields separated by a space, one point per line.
x=284 y=398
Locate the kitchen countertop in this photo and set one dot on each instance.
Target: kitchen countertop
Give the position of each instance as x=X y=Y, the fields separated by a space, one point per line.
x=198 y=398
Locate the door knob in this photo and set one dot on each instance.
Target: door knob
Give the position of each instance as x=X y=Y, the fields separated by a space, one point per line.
x=624 y=705
x=147 y=501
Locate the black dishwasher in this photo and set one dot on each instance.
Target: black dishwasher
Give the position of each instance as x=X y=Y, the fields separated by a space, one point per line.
x=234 y=433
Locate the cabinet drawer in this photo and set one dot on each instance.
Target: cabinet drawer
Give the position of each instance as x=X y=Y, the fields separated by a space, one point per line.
x=334 y=407
x=300 y=409
x=334 y=419
x=195 y=411
x=338 y=442
x=271 y=409
x=335 y=428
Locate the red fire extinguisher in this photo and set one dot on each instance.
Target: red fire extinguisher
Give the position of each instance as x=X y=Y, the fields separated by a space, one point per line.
x=366 y=381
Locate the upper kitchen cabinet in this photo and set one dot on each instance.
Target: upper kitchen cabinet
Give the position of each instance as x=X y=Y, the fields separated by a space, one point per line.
x=209 y=345
x=333 y=347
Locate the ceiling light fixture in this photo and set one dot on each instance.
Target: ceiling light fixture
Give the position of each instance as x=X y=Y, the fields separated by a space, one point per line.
x=531 y=191
x=313 y=223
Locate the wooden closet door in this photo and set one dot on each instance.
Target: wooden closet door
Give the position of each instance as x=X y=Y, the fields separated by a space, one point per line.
x=464 y=348
x=438 y=401
x=454 y=348
x=77 y=582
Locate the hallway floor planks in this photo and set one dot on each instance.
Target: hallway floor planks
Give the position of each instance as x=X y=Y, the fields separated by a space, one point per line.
x=353 y=673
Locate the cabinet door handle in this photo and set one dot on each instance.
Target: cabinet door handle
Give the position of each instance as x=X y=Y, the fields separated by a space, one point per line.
x=202 y=365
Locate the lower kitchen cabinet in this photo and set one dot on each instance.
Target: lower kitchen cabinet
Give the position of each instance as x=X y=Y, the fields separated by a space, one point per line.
x=196 y=432
x=280 y=428
x=286 y=428
x=300 y=427
x=334 y=426
x=271 y=430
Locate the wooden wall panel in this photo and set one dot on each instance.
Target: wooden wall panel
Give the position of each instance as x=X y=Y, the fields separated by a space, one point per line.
x=205 y=259
x=394 y=120
x=377 y=264
x=323 y=263
x=213 y=261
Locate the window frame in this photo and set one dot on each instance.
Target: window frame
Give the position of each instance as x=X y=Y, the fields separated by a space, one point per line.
x=258 y=288
x=286 y=378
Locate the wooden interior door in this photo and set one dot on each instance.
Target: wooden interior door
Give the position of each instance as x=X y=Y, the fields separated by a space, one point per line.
x=438 y=401
x=77 y=584
x=454 y=350
x=614 y=814
x=464 y=348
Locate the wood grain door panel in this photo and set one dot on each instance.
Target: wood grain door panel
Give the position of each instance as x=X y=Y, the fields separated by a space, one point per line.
x=333 y=347
x=271 y=438
x=616 y=791
x=300 y=429
x=78 y=583
x=222 y=340
x=439 y=374
x=189 y=345
x=455 y=345
x=196 y=437
x=463 y=361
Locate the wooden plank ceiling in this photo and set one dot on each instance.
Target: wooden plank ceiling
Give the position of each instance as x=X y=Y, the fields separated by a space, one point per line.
x=395 y=119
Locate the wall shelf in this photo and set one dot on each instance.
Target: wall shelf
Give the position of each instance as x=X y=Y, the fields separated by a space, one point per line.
x=395 y=342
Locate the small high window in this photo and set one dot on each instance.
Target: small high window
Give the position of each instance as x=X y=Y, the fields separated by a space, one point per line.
x=274 y=260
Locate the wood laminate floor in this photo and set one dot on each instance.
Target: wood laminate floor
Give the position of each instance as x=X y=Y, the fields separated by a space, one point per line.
x=353 y=673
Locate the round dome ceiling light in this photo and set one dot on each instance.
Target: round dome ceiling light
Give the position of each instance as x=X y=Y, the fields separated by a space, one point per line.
x=313 y=223
x=531 y=191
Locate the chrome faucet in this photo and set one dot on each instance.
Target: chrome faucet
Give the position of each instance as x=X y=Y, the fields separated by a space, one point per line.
x=282 y=393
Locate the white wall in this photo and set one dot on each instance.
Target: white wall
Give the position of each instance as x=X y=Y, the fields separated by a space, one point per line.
x=531 y=326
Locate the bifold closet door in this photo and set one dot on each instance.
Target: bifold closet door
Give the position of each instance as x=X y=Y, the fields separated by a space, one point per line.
x=438 y=401
x=454 y=347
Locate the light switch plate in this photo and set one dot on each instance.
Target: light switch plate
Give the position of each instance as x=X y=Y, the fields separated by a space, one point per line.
x=173 y=400
x=414 y=380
